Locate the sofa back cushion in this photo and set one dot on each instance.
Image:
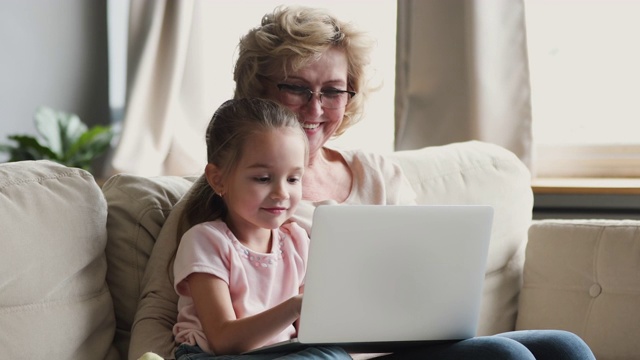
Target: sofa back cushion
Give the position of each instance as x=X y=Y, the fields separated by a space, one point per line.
x=54 y=300
x=584 y=276
x=138 y=208
x=475 y=172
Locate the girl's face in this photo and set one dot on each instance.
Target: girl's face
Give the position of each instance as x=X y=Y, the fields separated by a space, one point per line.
x=328 y=72
x=265 y=188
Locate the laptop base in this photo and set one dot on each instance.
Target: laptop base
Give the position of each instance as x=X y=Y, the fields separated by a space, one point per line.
x=353 y=348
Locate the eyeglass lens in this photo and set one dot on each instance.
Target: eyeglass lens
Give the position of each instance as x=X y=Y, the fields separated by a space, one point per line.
x=298 y=95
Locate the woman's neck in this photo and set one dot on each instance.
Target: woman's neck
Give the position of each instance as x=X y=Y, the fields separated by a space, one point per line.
x=327 y=177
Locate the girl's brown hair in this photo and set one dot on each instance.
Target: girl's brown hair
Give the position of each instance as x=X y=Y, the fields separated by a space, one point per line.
x=227 y=132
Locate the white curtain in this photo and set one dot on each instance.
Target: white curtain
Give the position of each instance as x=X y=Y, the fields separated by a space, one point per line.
x=166 y=97
x=462 y=74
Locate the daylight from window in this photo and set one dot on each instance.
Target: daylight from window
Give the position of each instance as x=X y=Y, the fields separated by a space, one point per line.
x=585 y=71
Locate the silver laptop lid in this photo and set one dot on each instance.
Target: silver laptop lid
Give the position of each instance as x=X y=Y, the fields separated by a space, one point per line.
x=394 y=273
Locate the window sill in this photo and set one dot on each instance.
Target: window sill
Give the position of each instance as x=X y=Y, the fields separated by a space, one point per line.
x=586 y=198
x=586 y=186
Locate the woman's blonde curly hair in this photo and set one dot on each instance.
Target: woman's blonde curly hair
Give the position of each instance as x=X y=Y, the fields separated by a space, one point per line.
x=291 y=37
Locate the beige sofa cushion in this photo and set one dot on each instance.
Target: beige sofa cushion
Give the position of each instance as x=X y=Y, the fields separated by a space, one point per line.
x=138 y=207
x=476 y=172
x=54 y=301
x=584 y=276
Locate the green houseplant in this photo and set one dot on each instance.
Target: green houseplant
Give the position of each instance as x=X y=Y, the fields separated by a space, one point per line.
x=63 y=138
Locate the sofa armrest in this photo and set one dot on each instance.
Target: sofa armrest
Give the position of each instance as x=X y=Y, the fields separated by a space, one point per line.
x=584 y=276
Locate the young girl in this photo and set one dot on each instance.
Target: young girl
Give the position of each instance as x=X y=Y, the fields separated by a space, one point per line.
x=239 y=269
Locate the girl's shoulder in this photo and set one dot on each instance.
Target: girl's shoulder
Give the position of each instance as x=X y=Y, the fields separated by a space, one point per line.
x=215 y=226
x=297 y=236
x=212 y=232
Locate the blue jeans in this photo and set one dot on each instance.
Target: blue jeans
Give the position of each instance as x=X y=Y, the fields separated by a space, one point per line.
x=521 y=345
x=188 y=352
x=515 y=345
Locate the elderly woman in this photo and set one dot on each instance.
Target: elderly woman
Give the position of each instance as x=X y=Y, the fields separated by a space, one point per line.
x=314 y=64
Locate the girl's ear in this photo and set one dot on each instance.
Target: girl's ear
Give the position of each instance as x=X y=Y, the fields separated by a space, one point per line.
x=214 y=178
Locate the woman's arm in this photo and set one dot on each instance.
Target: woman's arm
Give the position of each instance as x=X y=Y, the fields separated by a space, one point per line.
x=227 y=334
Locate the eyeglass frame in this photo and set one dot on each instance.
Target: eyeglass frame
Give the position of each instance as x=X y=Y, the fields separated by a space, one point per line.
x=310 y=93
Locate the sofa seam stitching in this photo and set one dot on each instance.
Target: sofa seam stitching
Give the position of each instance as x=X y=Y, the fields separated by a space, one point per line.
x=68 y=174
x=44 y=305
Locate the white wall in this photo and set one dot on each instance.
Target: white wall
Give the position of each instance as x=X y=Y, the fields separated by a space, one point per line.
x=52 y=53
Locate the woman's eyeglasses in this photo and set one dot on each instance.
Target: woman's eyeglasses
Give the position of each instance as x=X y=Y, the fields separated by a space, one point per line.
x=295 y=95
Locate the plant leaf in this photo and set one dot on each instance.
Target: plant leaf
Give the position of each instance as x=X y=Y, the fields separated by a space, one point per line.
x=59 y=129
x=64 y=138
x=47 y=124
x=72 y=129
x=29 y=148
x=90 y=145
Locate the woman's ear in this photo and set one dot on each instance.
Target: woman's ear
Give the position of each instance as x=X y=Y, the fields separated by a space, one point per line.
x=214 y=177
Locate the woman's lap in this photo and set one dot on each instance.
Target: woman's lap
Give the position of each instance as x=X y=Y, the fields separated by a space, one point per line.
x=536 y=344
x=520 y=345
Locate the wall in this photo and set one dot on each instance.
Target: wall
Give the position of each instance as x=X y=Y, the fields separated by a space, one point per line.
x=52 y=53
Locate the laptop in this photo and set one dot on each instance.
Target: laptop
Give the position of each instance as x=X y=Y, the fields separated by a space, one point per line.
x=385 y=278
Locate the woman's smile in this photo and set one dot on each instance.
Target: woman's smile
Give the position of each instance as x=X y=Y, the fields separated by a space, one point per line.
x=310 y=126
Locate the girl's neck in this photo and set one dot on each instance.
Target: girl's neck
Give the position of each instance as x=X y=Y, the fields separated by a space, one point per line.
x=256 y=239
x=262 y=246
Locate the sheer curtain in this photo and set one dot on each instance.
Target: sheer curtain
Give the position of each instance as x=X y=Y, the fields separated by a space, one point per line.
x=462 y=74
x=166 y=112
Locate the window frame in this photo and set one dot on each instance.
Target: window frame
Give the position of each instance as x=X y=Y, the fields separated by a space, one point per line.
x=595 y=158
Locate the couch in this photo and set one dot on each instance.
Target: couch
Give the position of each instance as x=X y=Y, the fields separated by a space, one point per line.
x=76 y=257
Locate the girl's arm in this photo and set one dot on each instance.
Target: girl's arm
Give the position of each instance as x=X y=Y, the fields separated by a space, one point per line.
x=227 y=334
x=297 y=323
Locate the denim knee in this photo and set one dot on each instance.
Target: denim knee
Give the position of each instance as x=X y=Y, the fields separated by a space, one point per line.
x=478 y=348
x=552 y=344
x=324 y=352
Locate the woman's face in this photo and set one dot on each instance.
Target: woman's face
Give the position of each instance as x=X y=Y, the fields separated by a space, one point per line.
x=328 y=72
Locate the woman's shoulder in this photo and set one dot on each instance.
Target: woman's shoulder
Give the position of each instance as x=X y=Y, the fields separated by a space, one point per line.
x=377 y=179
x=350 y=154
x=368 y=161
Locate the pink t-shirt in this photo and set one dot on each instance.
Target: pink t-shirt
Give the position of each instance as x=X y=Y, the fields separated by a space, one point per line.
x=257 y=281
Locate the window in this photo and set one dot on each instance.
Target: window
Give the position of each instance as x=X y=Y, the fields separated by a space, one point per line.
x=584 y=58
